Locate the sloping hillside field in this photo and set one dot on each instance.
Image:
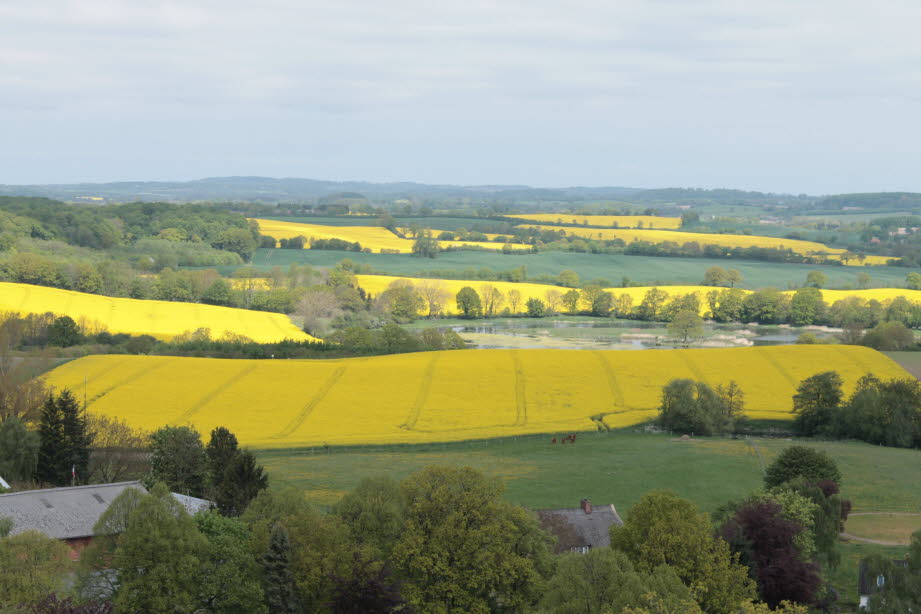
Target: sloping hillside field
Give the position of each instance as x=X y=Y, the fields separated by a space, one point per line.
x=440 y=396
x=629 y=235
x=615 y=221
x=375 y=238
x=161 y=319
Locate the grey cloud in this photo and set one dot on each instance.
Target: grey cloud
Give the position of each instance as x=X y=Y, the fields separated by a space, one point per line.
x=778 y=95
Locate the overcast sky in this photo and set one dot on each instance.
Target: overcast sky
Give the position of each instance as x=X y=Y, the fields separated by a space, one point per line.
x=817 y=96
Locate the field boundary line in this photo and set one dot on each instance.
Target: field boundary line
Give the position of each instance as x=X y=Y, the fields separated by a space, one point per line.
x=521 y=401
x=616 y=392
x=422 y=396
x=233 y=379
x=752 y=443
x=305 y=412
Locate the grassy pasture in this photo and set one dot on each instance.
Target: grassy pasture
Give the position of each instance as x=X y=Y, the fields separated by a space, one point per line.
x=886 y=527
x=617 y=467
x=647 y=270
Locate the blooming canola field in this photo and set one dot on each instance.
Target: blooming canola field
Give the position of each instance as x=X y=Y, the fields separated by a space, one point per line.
x=161 y=319
x=628 y=235
x=613 y=221
x=440 y=396
x=376 y=238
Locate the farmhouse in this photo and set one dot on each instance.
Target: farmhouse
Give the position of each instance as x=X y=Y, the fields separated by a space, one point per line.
x=70 y=513
x=579 y=529
x=869 y=584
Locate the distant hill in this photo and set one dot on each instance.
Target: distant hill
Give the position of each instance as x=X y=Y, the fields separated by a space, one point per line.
x=292 y=190
x=295 y=190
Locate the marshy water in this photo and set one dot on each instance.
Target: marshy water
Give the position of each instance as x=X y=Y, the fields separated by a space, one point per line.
x=565 y=332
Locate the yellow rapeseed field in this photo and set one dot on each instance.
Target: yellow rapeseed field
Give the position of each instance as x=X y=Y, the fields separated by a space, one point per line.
x=162 y=319
x=613 y=221
x=629 y=235
x=375 y=284
x=376 y=238
x=440 y=396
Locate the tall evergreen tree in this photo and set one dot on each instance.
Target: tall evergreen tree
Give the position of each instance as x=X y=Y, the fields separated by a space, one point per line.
x=221 y=450
x=280 y=594
x=76 y=437
x=239 y=484
x=52 y=450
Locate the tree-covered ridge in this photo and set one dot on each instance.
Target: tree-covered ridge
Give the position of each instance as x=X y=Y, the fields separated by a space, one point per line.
x=106 y=226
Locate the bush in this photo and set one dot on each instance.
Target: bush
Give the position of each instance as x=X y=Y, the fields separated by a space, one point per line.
x=800 y=462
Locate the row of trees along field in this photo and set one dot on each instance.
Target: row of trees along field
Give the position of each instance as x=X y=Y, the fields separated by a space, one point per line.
x=442 y=541
x=44 y=331
x=407 y=301
x=879 y=412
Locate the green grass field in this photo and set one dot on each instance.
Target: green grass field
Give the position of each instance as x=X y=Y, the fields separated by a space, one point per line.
x=646 y=270
x=910 y=361
x=615 y=467
x=893 y=527
x=619 y=468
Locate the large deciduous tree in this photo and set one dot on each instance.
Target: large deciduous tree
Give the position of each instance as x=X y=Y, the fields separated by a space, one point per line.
x=160 y=558
x=464 y=549
x=801 y=463
x=468 y=302
x=605 y=580
x=18 y=450
x=178 y=460
x=663 y=529
x=816 y=400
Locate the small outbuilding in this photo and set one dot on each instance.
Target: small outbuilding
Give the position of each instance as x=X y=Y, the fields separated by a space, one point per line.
x=869 y=584
x=71 y=512
x=579 y=529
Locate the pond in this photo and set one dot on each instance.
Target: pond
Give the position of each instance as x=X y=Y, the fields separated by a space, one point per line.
x=598 y=333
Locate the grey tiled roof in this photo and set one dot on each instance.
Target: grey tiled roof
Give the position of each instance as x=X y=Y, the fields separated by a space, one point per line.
x=590 y=529
x=62 y=513
x=71 y=512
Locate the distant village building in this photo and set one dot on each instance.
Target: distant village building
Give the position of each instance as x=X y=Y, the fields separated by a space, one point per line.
x=70 y=513
x=868 y=585
x=579 y=529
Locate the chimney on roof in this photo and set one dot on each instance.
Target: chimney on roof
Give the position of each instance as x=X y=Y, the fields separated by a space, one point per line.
x=586 y=506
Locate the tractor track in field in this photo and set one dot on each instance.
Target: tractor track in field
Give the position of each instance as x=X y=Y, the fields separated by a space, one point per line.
x=422 y=396
x=780 y=369
x=608 y=370
x=236 y=377
x=305 y=412
x=142 y=372
x=521 y=401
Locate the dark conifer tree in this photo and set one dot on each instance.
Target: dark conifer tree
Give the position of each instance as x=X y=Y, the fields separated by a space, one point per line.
x=52 y=450
x=76 y=437
x=221 y=450
x=371 y=588
x=239 y=484
x=280 y=594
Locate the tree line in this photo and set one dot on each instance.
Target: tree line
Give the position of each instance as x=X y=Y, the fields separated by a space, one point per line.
x=443 y=540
